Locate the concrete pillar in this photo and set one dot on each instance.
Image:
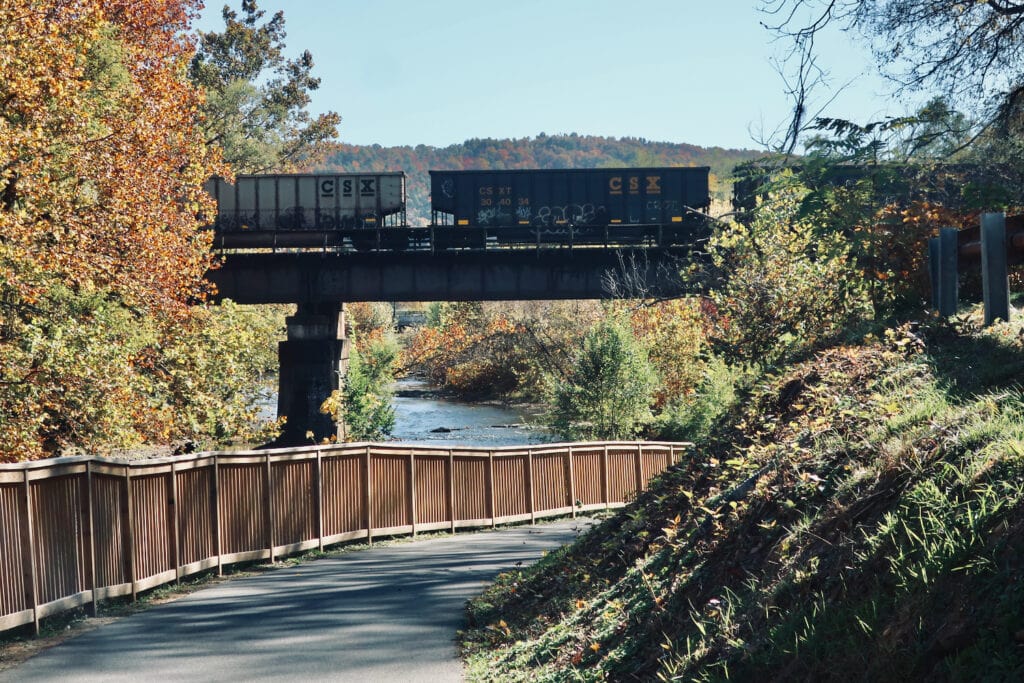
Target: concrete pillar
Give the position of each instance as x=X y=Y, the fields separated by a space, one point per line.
x=312 y=362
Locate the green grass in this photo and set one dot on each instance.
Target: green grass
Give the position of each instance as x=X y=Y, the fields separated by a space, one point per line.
x=860 y=516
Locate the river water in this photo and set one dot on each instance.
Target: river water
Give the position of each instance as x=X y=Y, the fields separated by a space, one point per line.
x=423 y=418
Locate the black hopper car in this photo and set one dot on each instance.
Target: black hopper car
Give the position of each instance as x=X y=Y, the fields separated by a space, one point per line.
x=469 y=209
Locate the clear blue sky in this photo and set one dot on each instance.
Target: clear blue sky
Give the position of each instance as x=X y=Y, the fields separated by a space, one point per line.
x=438 y=72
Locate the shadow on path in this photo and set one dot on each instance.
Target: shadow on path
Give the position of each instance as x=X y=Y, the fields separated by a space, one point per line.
x=385 y=614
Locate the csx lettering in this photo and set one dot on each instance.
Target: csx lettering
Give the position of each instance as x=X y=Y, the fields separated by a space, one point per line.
x=486 y=191
x=346 y=188
x=654 y=184
x=634 y=185
x=327 y=188
x=615 y=185
x=366 y=187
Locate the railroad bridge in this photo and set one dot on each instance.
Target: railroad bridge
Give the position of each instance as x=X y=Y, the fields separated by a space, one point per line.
x=321 y=240
x=320 y=271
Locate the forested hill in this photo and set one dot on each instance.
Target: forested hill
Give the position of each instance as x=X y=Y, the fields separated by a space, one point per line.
x=543 y=151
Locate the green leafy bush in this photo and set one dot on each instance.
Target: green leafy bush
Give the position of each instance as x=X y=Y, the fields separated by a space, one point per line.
x=690 y=418
x=783 y=286
x=364 y=401
x=608 y=391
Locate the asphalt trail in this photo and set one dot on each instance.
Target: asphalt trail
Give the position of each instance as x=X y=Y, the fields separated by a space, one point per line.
x=384 y=614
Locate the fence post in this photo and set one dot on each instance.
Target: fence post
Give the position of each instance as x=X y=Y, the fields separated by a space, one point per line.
x=367 y=496
x=28 y=552
x=934 y=259
x=451 y=489
x=529 y=484
x=490 y=489
x=948 y=285
x=604 y=478
x=89 y=529
x=318 y=491
x=128 y=517
x=412 y=491
x=639 y=463
x=174 y=525
x=268 y=504
x=571 y=488
x=995 y=279
x=215 y=513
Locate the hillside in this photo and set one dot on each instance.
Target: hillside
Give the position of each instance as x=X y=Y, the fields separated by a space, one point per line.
x=857 y=516
x=543 y=151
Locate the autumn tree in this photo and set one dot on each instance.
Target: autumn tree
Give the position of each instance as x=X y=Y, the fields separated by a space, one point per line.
x=101 y=173
x=256 y=97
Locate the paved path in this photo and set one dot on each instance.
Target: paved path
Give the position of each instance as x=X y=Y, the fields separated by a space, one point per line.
x=385 y=614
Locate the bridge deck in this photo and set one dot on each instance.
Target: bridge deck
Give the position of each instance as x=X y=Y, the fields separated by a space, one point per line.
x=446 y=238
x=500 y=275
x=445 y=263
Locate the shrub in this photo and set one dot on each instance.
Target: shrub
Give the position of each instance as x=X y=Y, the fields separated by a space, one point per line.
x=783 y=288
x=691 y=418
x=364 y=401
x=608 y=391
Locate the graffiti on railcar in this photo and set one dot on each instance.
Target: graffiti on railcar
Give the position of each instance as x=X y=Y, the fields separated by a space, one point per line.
x=570 y=214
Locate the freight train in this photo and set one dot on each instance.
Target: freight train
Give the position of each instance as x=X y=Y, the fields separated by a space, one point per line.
x=655 y=206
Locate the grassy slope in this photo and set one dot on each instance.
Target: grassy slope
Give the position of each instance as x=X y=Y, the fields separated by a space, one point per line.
x=858 y=517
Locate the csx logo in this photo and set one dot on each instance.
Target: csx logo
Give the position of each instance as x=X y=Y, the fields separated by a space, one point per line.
x=632 y=184
x=367 y=187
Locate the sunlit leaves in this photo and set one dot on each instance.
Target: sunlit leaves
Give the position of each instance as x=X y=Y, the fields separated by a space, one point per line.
x=101 y=172
x=786 y=286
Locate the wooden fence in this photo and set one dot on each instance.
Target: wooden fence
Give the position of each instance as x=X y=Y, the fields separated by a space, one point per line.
x=74 y=531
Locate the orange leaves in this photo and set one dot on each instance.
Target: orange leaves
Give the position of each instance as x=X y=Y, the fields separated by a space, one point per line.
x=674 y=334
x=101 y=150
x=101 y=168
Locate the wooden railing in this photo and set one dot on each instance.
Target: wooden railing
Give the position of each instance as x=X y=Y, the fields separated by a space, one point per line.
x=74 y=531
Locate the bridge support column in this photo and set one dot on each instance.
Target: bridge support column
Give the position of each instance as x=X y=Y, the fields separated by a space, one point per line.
x=312 y=362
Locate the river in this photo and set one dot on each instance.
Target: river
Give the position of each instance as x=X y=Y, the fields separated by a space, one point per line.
x=424 y=418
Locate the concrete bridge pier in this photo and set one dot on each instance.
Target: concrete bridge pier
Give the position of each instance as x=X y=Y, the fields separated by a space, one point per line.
x=312 y=361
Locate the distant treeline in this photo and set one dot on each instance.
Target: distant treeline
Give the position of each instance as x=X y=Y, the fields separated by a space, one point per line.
x=543 y=151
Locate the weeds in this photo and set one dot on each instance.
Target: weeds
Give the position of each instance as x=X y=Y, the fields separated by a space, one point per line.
x=855 y=519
